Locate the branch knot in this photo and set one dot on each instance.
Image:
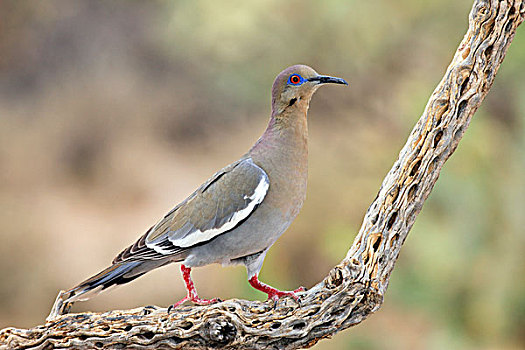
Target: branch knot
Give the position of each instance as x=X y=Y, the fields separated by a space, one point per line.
x=219 y=331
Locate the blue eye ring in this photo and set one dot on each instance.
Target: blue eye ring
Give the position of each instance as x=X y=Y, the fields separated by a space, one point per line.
x=295 y=79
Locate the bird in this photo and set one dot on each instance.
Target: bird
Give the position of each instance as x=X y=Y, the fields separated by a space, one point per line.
x=237 y=214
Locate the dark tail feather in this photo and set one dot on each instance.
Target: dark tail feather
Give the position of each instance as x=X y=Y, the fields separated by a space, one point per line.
x=116 y=274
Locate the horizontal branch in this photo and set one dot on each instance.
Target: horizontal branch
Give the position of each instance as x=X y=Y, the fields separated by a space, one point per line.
x=353 y=289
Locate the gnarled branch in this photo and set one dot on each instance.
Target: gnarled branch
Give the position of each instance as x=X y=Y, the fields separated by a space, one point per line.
x=353 y=289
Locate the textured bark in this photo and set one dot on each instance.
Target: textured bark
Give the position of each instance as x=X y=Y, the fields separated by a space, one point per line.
x=353 y=289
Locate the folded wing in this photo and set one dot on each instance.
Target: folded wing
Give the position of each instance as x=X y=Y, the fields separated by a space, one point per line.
x=218 y=206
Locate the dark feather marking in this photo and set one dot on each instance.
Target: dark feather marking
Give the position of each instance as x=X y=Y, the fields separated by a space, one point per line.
x=121 y=280
x=213 y=181
x=170 y=212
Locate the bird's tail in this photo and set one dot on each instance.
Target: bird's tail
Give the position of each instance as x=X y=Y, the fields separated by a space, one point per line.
x=112 y=276
x=116 y=274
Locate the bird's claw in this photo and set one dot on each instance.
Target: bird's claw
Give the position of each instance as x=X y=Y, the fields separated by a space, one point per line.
x=195 y=300
x=275 y=299
x=275 y=295
x=146 y=310
x=279 y=294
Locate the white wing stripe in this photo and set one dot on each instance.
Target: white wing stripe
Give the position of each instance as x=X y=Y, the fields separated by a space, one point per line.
x=203 y=236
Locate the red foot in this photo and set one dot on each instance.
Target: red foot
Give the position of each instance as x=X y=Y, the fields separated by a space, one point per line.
x=192 y=292
x=273 y=294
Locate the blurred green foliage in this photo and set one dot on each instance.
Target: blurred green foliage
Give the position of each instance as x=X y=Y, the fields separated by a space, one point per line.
x=112 y=112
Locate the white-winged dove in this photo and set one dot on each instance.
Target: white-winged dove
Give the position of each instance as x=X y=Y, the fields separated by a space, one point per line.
x=235 y=216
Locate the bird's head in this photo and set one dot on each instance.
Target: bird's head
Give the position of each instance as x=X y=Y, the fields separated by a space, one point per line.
x=293 y=88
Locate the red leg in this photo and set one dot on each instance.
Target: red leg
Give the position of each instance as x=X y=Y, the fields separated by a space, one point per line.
x=273 y=293
x=192 y=292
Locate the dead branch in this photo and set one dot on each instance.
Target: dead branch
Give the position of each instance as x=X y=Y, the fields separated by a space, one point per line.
x=355 y=288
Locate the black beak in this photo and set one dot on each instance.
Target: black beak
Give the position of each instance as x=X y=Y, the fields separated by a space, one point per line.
x=325 y=79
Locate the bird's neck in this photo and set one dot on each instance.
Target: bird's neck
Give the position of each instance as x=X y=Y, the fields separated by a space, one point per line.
x=285 y=141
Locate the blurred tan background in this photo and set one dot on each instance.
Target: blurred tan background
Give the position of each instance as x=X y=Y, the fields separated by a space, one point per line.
x=113 y=112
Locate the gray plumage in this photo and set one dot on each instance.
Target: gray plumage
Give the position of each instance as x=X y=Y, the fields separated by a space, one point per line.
x=235 y=216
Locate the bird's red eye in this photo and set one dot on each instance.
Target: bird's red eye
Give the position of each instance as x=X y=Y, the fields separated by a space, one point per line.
x=295 y=79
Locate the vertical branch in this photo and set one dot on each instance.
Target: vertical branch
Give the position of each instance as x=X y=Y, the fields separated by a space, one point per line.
x=492 y=26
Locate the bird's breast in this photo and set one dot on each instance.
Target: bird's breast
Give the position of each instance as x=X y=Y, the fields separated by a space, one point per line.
x=288 y=174
x=282 y=152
